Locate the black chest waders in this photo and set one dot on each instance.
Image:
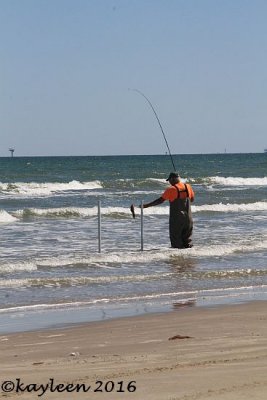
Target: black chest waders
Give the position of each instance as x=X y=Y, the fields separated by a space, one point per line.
x=181 y=222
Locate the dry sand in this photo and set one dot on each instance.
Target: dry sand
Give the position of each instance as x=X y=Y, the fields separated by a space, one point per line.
x=222 y=354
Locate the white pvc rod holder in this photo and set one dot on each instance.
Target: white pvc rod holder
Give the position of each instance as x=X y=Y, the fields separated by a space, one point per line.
x=142 y=226
x=99 y=226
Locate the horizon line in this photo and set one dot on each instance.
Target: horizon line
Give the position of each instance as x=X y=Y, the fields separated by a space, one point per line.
x=131 y=155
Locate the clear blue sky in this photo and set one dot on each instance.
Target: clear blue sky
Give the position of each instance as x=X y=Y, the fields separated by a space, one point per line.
x=66 y=66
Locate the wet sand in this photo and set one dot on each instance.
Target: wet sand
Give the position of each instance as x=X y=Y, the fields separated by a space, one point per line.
x=191 y=353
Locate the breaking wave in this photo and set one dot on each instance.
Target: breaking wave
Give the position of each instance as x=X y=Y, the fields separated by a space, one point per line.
x=17 y=267
x=35 y=189
x=109 y=279
x=45 y=189
x=217 y=180
x=6 y=218
x=71 y=212
x=78 y=281
x=230 y=207
x=124 y=212
x=236 y=181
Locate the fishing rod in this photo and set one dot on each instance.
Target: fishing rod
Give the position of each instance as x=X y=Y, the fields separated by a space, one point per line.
x=153 y=109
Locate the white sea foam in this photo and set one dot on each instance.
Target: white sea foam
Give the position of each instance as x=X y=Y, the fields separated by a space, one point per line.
x=14 y=283
x=230 y=207
x=237 y=181
x=16 y=266
x=6 y=218
x=45 y=189
x=111 y=259
x=228 y=249
x=78 y=281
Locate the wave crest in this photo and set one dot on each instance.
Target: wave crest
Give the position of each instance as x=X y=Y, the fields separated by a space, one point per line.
x=46 y=189
x=124 y=212
x=237 y=181
x=6 y=218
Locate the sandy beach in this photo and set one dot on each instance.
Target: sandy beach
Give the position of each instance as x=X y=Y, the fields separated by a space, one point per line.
x=191 y=353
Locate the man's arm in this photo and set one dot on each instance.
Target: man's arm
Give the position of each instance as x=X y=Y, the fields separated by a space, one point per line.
x=192 y=194
x=156 y=202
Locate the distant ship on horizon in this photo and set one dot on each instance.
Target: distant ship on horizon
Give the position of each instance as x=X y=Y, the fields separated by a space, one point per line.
x=265 y=150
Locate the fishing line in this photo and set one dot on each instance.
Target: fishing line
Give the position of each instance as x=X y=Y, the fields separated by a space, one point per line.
x=154 y=111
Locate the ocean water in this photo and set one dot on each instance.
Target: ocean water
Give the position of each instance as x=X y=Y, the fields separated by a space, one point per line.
x=52 y=273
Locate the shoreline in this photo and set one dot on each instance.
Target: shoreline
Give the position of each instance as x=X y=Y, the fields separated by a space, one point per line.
x=215 y=352
x=35 y=319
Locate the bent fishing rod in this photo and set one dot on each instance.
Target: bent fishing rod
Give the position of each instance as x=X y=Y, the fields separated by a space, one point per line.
x=154 y=111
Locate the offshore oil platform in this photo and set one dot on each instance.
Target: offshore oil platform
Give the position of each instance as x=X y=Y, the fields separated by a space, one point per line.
x=11 y=149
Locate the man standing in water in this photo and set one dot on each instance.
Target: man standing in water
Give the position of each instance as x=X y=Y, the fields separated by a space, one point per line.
x=180 y=196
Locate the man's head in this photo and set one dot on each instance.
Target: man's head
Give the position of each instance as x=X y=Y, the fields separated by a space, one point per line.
x=173 y=178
